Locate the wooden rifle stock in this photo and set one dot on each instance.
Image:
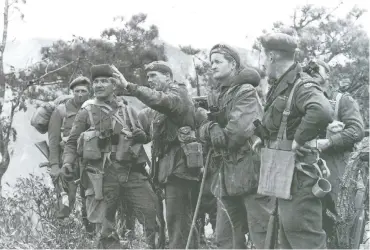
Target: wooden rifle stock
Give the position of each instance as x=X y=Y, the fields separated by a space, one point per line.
x=272 y=229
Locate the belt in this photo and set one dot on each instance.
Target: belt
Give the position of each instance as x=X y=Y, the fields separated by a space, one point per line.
x=282 y=144
x=287 y=144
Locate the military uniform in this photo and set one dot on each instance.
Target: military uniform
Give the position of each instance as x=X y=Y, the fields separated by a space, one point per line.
x=300 y=217
x=342 y=143
x=123 y=176
x=236 y=167
x=60 y=125
x=169 y=110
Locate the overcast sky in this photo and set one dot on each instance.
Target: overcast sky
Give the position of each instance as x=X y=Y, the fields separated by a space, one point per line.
x=200 y=23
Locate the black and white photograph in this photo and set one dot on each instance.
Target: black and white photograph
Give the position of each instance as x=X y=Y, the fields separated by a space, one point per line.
x=184 y=124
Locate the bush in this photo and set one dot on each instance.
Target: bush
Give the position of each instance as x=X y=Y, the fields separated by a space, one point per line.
x=27 y=219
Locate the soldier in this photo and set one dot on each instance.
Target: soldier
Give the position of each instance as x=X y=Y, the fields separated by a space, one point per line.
x=177 y=157
x=336 y=147
x=60 y=126
x=234 y=105
x=300 y=213
x=104 y=129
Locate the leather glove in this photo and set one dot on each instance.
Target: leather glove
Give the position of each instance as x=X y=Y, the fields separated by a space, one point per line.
x=217 y=135
x=139 y=136
x=67 y=172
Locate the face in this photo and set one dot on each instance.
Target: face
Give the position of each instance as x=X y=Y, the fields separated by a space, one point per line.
x=158 y=80
x=324 y=78
x=270 y=65
x=80 y=93
x=221 y=67
x=103 y=87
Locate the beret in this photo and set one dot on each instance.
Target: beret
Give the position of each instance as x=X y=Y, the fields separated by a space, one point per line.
x=279 y=41
x=101 y=70
x=159 y=66
x=226 y=49
x=78 y=81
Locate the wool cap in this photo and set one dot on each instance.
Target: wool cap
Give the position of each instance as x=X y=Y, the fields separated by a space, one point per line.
x=279 y=41
x=226 y=49
x=159 y=66
x=101 y=70
x=81 y=80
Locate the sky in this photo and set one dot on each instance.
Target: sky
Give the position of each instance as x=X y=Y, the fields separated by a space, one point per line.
x=200 y=23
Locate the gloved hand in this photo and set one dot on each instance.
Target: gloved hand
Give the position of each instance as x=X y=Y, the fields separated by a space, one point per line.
x=301 y=150
x=67 y=172
x=139 y=136
x=217 y=135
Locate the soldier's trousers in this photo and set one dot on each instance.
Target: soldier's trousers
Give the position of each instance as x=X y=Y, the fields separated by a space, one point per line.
x=300 y=219
x=180 y=197
x=232 y=214
x=135 y=189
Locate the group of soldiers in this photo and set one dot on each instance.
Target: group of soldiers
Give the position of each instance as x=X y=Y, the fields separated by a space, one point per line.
x=242 y=138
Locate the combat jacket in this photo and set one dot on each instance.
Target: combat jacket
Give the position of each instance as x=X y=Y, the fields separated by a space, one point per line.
x=103 y=123
x=349 y=114
x=168 y=111
x=60 y=126
x=238 y=106
x=310 y=111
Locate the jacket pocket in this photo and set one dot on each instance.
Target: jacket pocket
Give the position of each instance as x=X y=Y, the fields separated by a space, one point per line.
x=91 y=150
x=193 y=154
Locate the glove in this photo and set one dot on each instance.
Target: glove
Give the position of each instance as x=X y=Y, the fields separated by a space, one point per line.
x=217 y=135
x=67 y=172
x=301 y=150
x=139 y=136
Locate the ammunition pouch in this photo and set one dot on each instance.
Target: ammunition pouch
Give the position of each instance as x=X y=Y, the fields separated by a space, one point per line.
x=96 y=178
x=123 y=151
x=192 y=149
x=88 y=145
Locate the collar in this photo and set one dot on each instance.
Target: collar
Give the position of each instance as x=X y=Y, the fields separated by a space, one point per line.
x=290 y=76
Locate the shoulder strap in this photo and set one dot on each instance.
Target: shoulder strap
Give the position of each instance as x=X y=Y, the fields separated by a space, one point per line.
x=283 y=125
x=63 y=113
x=336 y=110
x=92 y=123
x=121 y=121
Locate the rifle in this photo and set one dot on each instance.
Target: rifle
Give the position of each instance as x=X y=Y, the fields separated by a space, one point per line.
x=198 y=201
x=153 y=177
x=201 y=101
x=44 y=149
x=272 y=228
x=160 y=243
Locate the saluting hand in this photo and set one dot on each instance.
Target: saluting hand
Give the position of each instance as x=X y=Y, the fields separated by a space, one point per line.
x=119 y=76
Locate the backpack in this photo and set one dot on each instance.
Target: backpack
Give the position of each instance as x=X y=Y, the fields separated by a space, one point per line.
x=40 y=119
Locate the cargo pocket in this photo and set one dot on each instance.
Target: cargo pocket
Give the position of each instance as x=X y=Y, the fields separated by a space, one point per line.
x=91 y=149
